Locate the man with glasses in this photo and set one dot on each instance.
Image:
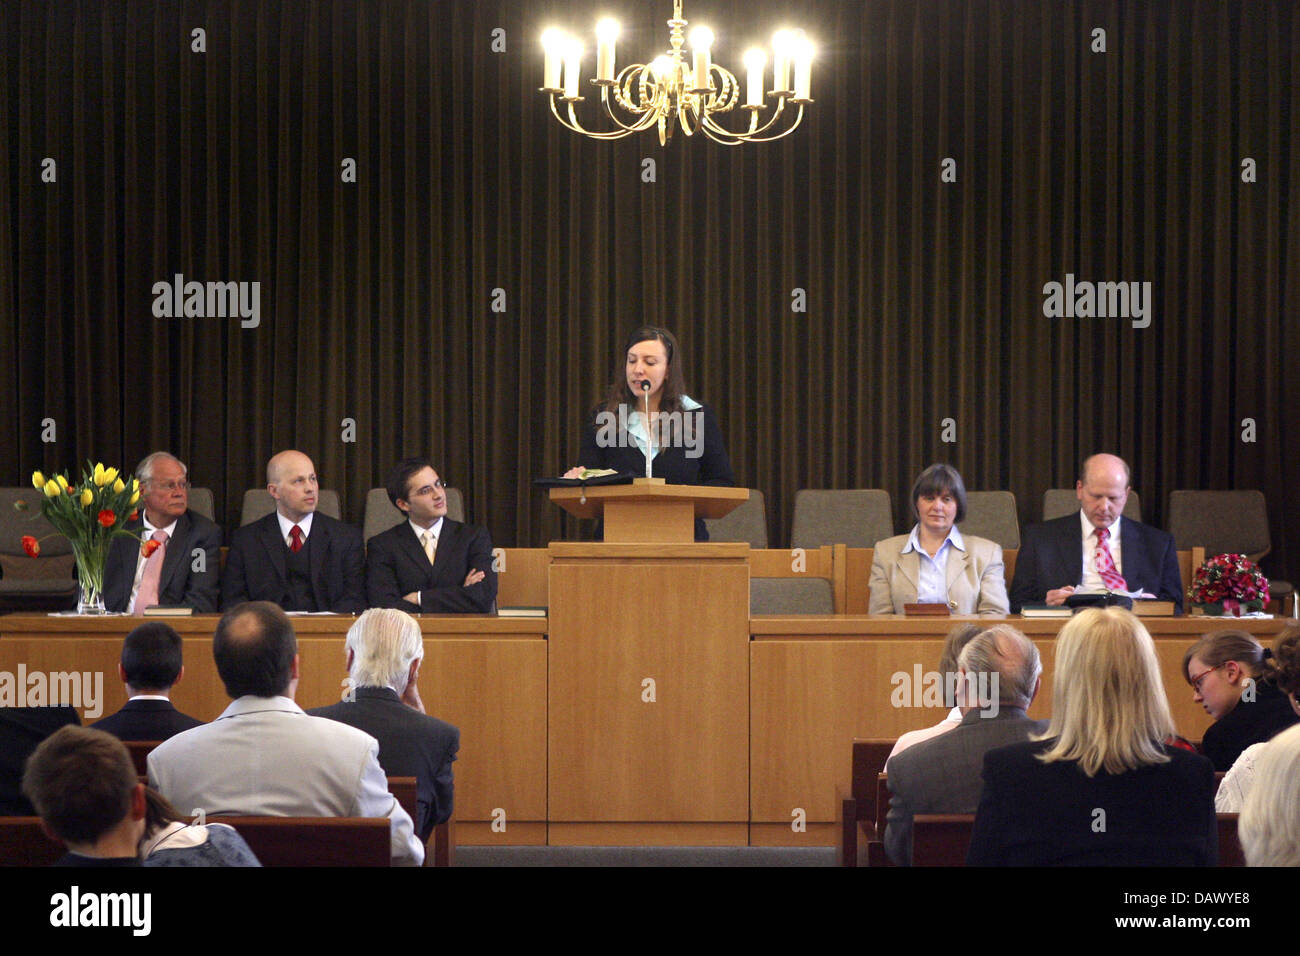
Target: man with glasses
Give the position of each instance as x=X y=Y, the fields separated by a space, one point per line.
x=184 y=569
x=429 y=563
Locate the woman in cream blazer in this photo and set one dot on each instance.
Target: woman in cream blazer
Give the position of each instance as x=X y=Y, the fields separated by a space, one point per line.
x=973 y=580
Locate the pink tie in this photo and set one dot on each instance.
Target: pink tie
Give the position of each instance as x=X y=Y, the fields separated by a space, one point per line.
x=147 y=596
x=1106 y=563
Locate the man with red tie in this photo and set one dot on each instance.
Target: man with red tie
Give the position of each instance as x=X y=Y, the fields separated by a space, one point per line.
x=1097 y=549
x=296 y=557
x=183 y=569
x=429 y=563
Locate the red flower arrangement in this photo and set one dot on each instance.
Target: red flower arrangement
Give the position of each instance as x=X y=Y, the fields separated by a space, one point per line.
x=1229 y=584
x=107 y=518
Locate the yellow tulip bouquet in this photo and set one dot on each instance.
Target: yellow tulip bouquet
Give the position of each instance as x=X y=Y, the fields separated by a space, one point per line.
x=90 y=516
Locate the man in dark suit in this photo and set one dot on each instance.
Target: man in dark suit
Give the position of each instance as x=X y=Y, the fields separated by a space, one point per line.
x=384 y=649
x=1096 y=549
x=151 y=665
x=429 y=563
x=998 y=678
x=296 y=557
x=21 y=731
x=184 y=569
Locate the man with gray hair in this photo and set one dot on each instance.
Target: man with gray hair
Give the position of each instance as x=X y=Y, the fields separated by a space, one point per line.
x=998 y=675
x=184 y=569
x=384 y=649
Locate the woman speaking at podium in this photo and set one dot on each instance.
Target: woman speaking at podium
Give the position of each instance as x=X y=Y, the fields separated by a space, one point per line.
x=682 y=435
x=936 y=564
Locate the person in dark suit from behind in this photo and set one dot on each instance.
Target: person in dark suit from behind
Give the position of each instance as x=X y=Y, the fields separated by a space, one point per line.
x=384 y=649
x=151 y=665
x=1101 y=788
x=184 y=571
x=998 y=675
x=429 y=563
x=1096 y=549
x=296 y=557
x=21 y=731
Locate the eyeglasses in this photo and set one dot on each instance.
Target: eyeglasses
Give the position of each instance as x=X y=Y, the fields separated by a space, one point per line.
x=428 y=489
x=182 y=485
x=1196 y=681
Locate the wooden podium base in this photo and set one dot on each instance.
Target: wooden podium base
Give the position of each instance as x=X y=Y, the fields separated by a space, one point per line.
x=647 y=691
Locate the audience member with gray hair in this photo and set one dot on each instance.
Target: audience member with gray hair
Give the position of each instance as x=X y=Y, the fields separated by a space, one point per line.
x=1269 y=827
x=942 y=775
x=957 y=638
x=384 y=649
x=1003 y=656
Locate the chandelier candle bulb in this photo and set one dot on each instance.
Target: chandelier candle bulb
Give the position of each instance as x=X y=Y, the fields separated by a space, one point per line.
x=803 y=68
x=572 y=68
x=701 y=41
x=552 y=40
x=606 y=34
x=755 y=61
x=781 y=61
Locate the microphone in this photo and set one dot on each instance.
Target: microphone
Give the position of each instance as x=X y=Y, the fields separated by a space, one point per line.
x=649 y=431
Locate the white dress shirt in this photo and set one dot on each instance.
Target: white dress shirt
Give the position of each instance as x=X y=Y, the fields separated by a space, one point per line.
x=286 y=526
x=932 y=586
x=1091 y=579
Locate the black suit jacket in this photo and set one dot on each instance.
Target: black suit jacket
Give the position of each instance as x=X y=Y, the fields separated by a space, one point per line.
x=396 y=565
x=411 y=744
x=1052 y=814
x=147 y=720
x=710 y=467
x=256 y=566
x=180 y=584
x=21 y=731
x=1051 y=556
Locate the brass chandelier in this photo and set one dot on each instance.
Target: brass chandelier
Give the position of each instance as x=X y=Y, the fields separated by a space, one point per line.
x=667 y=92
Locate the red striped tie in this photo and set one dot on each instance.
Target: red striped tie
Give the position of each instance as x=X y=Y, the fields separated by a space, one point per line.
x=1106 y=563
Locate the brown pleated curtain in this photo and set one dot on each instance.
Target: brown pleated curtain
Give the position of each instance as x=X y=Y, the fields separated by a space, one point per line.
x=924 y=298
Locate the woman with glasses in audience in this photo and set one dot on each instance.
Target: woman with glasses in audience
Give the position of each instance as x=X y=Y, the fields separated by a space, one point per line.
x=1229 y=678
x=1100 y=787
x=1283 y=669
x=936 y=563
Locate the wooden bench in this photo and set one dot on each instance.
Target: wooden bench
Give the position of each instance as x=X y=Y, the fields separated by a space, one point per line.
x=139 y=751
x=861 y=813
x=24 y=843
x=440 y=850
x=276 y=841
x=944 y=839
